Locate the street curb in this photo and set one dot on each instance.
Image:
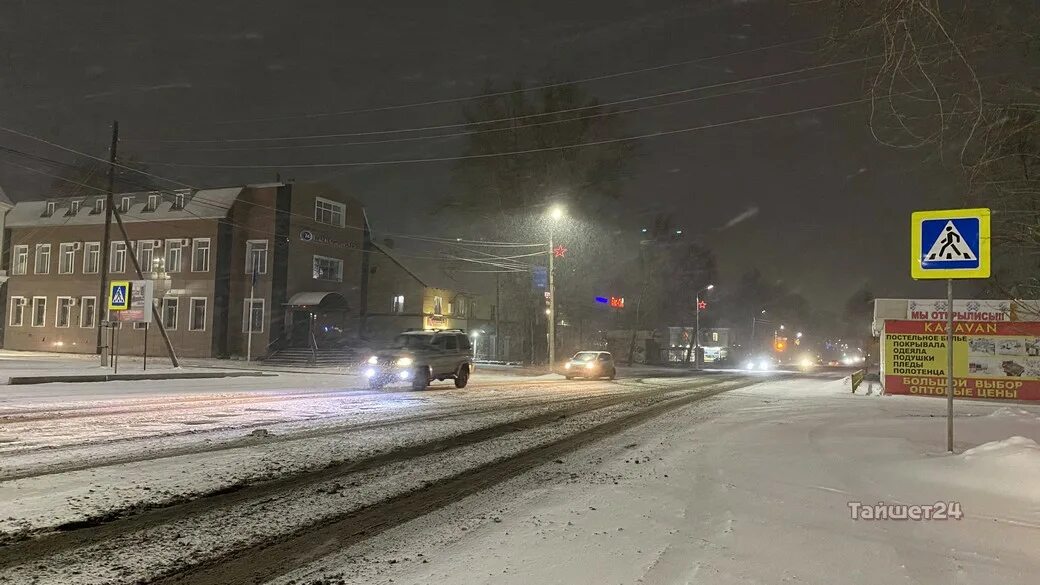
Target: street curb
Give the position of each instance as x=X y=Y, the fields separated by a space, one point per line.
x=118 y=377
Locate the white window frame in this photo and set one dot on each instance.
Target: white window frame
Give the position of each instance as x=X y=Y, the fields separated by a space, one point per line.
x=118 y=251
x=458 y=308
x=145 y=266
x=20 y=250
x=49 y=209
x=259 y=248
x=171 y=245
x=32 y=314
x=125 y=203
x=397 y=304
x=87 y=247
x=247 y=307
x=191 y=313
x=176 y=312
x=17 y=304
x=153 y=202
x=58 y=309
x=99 y=205
x=36 y=259
x=324 y=206
x=314 y=272
x=66 y=248
x=195 y=246
x=84 y=313
x=179 y=200
x=74 y=207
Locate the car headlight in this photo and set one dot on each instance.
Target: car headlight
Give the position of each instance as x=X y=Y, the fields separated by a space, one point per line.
x=807 y=363
x=763 y=365
x=567 y=366
x=405 y=362
x=749 y=366
x=373 y=360
x=370 y=373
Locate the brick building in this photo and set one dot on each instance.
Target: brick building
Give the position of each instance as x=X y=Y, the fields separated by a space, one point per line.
x=305 y=241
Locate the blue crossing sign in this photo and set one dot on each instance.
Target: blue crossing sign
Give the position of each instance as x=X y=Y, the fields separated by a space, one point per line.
x=950 y=243
x=119 y=295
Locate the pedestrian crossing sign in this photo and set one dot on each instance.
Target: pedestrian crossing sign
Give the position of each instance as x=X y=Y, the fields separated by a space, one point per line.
x=950 y=243
x=119 y=295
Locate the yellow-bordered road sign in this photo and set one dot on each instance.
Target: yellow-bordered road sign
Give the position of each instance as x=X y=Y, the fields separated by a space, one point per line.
x=950 y=243
x=119 y=295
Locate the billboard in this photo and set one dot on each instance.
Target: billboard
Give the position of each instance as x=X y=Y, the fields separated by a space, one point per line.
x=993 y=360
x=139 y=309
x=971 y=310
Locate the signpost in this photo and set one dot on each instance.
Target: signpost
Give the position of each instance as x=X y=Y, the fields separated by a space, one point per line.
x=950 y=244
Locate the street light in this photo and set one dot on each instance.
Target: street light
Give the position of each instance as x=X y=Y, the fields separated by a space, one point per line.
x=697 y=329
x=556 y=213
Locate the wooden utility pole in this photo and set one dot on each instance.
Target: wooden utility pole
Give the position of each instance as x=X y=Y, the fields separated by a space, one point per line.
x=102 y=306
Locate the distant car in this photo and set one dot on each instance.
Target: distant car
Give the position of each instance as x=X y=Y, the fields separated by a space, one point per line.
x=420 y=357
x=590 y=364
x=762 y=363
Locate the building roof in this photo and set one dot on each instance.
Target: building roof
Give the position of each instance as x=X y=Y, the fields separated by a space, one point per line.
x=429 y=273
x=201 y=204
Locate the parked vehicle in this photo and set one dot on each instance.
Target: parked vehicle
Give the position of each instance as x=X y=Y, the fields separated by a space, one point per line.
x=590 y=364
x=420 y=357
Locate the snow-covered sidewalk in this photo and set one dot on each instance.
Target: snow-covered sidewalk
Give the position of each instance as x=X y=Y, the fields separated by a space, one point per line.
x=757 y=487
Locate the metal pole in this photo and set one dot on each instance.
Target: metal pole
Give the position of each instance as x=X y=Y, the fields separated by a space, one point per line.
x=751 y=342
x=949 y=365
x=102 y=305
x=249 y=314
x=697 y=335
x=552 y=304
x=145 y=362
x=115 y=353
x=498 y=314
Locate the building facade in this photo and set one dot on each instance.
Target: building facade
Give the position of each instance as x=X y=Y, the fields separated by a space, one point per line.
x=279 y=262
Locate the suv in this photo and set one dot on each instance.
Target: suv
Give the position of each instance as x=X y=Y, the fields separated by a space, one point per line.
x=421 y=357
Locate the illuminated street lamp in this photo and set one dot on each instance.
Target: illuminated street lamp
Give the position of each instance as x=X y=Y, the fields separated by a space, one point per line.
x=556 y=213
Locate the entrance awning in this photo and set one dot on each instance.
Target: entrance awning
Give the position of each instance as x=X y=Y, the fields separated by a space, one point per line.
x=331 y=300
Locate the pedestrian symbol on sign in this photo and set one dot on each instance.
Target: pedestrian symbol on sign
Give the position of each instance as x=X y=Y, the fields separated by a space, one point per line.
x=950 y=245
x=119 y=296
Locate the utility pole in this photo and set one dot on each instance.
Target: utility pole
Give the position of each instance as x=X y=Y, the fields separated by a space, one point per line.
x=102 y=306
x=498 y=315
x=156 y=316
x=552 y=304
x=249 y=311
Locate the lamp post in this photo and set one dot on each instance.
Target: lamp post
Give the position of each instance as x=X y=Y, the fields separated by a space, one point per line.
x=555 y=214
x=754 y=321
x=697 y=328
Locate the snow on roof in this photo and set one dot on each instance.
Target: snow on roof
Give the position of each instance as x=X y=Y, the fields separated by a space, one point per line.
x=201 y=204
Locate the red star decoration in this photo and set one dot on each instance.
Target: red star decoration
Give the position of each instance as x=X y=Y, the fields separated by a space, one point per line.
x=702 y=305
x=559 y=251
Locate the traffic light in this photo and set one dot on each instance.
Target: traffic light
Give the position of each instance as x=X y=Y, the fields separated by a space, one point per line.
x=780 y=344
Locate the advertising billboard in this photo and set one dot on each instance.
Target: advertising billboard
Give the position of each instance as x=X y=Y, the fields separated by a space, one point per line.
x=993 y=360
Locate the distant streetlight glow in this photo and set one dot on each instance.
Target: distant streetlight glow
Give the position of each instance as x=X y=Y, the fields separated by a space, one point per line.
x=556 y=212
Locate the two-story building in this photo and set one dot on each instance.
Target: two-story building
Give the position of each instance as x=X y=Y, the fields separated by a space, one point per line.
x=303 y=241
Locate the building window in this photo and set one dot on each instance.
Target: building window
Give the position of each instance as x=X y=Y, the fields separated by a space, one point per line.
x=20 y=262
x=174 y=255
x=125 y=203
x=256 y=256
x=117 y=257
x=146 y=254
x=73 y=208
x=48 y=209
x=39 y=311
x=170 y=309
x=43 y=259
x=17 y=311
x=326 y=268
x=715 y=336
x=64 y=316
x=253 y=316
x=438 y=306
x=198 y=314
x=66 y=258
x=397 y=304
x=153 y=202
x=178 y=200
x=99 y=206
x=329 y=212
x=459 y=307
x=91 y=257
x=87 y=311
x=200 y=255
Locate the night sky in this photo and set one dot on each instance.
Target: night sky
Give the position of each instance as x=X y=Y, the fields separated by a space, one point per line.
x=832 y=205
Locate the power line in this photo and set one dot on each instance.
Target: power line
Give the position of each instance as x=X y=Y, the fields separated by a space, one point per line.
x=513 y=118
x=520 y=127
x=528 y=89
x=520 y=152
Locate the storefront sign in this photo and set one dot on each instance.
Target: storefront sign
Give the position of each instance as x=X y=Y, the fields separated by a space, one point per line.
x=935 y=310
x=320 y=238
x=993 y=360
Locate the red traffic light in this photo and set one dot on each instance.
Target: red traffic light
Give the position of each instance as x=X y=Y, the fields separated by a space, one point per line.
x=617 y=302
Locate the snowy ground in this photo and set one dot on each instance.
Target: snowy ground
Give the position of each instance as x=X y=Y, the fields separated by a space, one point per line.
x=754 y=488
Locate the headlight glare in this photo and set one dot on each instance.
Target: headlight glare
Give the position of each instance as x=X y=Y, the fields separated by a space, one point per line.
x=404 y=362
